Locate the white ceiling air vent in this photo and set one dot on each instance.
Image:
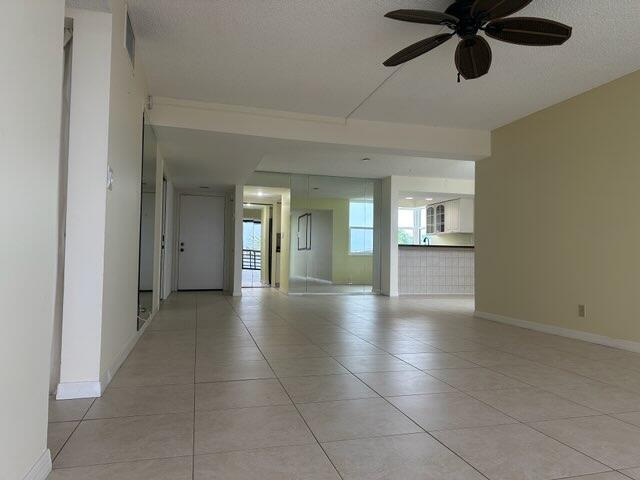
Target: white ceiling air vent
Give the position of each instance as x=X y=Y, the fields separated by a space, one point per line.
x=130 y=39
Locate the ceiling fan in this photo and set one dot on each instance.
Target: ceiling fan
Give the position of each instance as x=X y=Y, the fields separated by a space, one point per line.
x=468 y=17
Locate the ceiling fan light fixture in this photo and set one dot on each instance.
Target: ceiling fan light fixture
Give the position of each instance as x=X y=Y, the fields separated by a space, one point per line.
x=466 y=19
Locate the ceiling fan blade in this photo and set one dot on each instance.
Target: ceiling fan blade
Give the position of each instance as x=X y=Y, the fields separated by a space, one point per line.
x=492 y=9
x=529 y=31
x=473 y=57
x=417 y=49
x=424 y=16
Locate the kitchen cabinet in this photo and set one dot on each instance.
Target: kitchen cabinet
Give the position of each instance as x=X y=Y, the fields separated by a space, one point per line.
x=452 y=216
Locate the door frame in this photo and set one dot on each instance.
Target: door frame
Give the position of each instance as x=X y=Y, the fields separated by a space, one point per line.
x=163 y=235
x=178 y=222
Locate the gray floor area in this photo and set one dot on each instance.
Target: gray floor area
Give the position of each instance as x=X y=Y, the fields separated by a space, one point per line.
x=362 y=387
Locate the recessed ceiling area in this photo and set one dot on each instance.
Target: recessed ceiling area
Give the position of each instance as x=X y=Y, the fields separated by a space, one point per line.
x=263 y=195
x=420 y=199
x=325 y=57
x=196 y=157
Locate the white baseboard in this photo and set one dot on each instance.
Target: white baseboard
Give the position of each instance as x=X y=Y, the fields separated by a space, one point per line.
x=41 y=469
x=563 y=332
x=109 y=373
x=72 y=390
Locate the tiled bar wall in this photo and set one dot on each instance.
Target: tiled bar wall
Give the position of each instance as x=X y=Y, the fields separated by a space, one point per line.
x=435 y=270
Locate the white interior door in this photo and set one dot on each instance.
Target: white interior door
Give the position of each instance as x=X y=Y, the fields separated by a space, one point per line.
x=201 y=245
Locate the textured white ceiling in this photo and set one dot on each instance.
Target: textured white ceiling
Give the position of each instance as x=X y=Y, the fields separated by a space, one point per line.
x=325 y=57
x=197 y=158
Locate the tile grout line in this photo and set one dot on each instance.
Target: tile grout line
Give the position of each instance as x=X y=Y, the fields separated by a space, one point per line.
x=72 y=432
x=382 y=397
x=291 y=400
x=516 y=421
x=420 y=427
x=195 y=361
x=325 y=320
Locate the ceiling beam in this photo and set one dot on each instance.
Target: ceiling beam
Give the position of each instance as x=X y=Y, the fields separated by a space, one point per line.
x=407 y=139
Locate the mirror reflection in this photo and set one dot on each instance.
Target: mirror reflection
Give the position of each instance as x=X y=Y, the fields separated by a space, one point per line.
x=147 y=224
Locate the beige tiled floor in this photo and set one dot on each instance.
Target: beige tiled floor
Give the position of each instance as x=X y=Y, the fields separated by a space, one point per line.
x=271 y=387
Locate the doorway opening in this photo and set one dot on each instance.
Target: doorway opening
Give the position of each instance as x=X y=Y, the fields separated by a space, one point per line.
x=257 y=232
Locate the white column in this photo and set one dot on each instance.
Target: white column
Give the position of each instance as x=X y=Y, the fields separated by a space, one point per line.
x=237 y=240
x=86 y=205
x=389 y=238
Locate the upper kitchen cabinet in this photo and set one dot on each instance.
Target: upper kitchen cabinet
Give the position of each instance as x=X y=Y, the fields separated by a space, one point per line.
x=454 y=216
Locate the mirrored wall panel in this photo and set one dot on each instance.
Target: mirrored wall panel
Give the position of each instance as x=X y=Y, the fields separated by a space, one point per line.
x=147 y=224
x=332 y=235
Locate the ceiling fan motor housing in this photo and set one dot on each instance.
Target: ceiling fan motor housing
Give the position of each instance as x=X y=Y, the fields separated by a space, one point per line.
x=468 y=26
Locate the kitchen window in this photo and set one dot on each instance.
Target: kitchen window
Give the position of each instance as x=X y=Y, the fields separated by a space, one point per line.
x=414 y=225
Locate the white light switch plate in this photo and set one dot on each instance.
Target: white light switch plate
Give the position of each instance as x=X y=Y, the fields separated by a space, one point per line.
x=109 y=178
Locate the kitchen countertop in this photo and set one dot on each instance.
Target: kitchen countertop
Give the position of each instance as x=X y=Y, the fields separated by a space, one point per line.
x=471 y=247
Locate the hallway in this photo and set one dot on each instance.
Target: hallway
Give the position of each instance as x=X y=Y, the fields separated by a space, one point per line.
x=275 y=387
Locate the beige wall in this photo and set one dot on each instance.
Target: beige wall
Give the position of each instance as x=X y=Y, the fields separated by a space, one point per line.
x=31 y=94
x=558 y=215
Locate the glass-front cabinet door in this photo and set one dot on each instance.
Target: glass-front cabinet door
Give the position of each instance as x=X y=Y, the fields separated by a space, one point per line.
x=440 y=219
x=431 y=220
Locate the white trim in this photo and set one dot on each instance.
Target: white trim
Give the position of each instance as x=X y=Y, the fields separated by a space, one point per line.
x=563 y=332
x=73 y=390
x=109 y=373
x=41 y=469
x=221 y=107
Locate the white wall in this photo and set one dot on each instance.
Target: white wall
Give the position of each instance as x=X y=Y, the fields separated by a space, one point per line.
x=285 y=231
x=101 y=270
x=264 y=244
x=31 y=51
x=86 y=201
x=120 y=294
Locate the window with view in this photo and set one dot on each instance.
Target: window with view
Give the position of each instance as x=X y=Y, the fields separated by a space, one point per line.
x=412 y=225
x=360 y=227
